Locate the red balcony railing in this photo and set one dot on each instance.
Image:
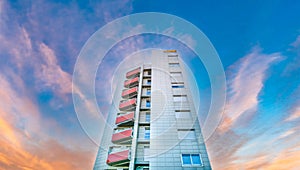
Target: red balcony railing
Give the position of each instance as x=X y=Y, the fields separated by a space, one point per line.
x=118 y=158
x=130 y=92
x=122 y=137
x=127 y=105
x=125 y=119
x=133 y=73
x=131 y=82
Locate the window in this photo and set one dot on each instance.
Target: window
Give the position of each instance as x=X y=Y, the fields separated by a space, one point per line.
x=148 y=81
x=191 y=159
x=147 y=72
x=186 y=159
x=186 y=134
x=180 y=98
x=177 y=85
x=147 y=133
x=172 y=55
x=147 y=117
x=182 y=114
x=148 y=91
x=148 y=104
x=175 y=74
x=196 y=159
x=146 y=152
x=174 y=64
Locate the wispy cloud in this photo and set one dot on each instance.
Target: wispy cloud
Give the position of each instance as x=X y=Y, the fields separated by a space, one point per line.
x=245 y=81
x=293 y=66
x=223 y=146
x=109 y=13
x=292 y=69
x=23 y=141
x=294 y=115
x=276 y=147
x=296 y=43
x=42 y=61
x=50 y=74
x=262 y=150
x=287 y=159
x=34 y=59
x=286 y=134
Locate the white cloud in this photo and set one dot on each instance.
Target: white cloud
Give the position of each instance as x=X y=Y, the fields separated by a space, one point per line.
x=113 y=9
x=286 y=134
x=292 y=67
x=294 y=115
x=24 y=133
x=1 y=12
x=50 y=74
x=245 y=81
x=296 y=43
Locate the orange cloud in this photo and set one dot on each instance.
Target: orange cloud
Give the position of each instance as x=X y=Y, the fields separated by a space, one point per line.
x=288 y=159
x=245 y=82
x=24 y=144
x=8 y=132
x=48 y=156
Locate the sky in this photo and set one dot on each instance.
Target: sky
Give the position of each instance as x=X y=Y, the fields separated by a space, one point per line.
x=258 y=43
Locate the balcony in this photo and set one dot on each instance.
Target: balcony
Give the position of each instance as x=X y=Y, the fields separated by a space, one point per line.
x=127 y=105
x=118 y=158
x=123 y=137
x=131 y=82
x=126 y=119
x=129 y=93
x=133 y=73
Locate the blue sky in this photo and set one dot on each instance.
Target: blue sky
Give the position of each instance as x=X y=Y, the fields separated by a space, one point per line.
x=258 y=43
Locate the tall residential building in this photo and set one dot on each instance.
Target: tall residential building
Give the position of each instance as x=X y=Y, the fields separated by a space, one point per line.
x=156 y=125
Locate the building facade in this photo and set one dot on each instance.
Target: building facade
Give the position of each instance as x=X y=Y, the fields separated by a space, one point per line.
x=156 y=125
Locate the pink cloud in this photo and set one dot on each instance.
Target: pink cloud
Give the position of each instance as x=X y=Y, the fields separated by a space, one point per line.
x=121 y=8
x=265 y=150
x=245 y=81
x=294 y=115
x=21 y=47
x=24 y=142
x=222 y=147
x=50 y=74
x=287 y=159
x=286 y=134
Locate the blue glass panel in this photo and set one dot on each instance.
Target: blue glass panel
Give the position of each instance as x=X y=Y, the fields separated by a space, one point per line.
x=147 y=103
x=186 y=160
x=147 y=135
x=196 y=159
x=147 y=117
x=177 y=86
